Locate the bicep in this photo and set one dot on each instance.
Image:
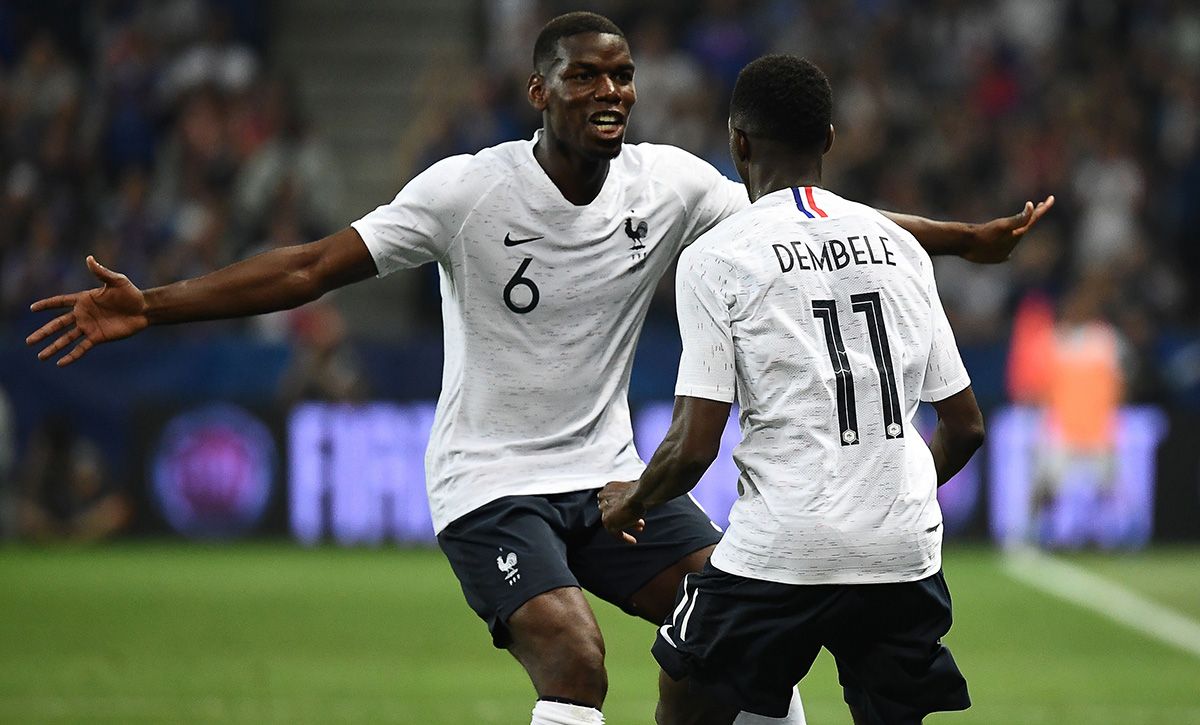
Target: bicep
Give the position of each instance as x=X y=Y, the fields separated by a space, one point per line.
x=960 y=411
x=699 y=424
x=340 y=259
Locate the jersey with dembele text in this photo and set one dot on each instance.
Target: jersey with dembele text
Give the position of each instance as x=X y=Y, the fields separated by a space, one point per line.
x=542 y=304
x=822 y=318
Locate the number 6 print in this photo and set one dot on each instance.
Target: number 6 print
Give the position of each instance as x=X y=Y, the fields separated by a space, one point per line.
x=519 y=281
x=871 y=306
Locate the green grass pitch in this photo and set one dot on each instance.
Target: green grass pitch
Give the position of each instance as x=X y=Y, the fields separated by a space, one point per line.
x=165 y=633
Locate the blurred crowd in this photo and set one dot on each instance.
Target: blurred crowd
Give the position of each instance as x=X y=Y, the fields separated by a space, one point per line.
x=951 y=108
x=158 y=136
x=155 y=135
x=151 y=134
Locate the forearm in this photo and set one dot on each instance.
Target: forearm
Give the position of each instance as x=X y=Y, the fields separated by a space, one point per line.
x=276 y=280
x=936 y=237
x=672 y=472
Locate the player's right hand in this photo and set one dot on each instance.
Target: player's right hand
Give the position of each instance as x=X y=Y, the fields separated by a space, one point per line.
x=619 y=512
x=996 y=240
x=115 y=310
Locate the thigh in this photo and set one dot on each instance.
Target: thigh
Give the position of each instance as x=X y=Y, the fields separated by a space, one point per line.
x=504 y=554
x=743 y=642
x=642 y=578
x=892 y=664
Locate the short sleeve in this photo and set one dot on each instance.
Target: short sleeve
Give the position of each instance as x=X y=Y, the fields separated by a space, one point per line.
x=708 y=195
x=945 y=374
x=418 y=225
x=703 y=296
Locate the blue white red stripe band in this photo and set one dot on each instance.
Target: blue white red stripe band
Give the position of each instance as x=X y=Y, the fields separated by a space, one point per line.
x=806 y=203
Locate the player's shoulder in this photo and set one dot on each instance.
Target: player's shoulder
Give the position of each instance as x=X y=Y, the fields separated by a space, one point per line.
x=464 y=177
x=667 y=162
x=721 y=243
x=485 y=164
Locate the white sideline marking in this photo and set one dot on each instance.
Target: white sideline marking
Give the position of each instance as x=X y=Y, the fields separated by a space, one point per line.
x=1091 y=591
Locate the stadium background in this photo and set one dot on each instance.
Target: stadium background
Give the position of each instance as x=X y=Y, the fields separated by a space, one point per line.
x=169 y=138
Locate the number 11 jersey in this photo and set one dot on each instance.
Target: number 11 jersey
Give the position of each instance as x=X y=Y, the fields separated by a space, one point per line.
x=822 y=318
x=542 y=304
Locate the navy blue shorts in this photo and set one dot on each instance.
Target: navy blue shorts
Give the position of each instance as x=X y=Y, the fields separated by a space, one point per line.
x=512 y=549
x=748 y=642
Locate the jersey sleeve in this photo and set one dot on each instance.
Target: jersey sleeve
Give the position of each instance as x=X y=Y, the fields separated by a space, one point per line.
x=945 y=374
x=418 y=225
x=703 y=297
x=708 y=195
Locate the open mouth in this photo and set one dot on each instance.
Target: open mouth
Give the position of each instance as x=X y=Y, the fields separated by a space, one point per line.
x=607 y=122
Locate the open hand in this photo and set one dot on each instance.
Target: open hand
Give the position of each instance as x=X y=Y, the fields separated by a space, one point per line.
x=995 y=240
x=115 y=310
x=619 y=512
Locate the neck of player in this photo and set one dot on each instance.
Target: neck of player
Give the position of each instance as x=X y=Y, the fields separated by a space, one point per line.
x=578 y=178
x=773 y=166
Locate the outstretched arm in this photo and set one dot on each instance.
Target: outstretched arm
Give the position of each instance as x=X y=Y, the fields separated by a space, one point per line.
x=691 y=445
x=987 y=243
x=276 y=280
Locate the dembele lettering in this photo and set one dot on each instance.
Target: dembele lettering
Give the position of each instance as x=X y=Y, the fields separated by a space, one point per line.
x=833 y=254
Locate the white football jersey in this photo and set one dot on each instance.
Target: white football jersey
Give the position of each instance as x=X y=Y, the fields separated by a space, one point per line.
x=822 y=318
x=542 y=303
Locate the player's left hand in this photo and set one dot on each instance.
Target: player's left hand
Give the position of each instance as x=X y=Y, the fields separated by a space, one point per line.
x=996 y=240
x=619 y=512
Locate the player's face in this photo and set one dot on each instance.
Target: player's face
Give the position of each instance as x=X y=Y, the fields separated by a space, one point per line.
x=586 y=95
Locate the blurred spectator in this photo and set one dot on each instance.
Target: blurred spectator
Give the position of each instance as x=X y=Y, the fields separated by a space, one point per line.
x=44 y=87
x=323 y=366
x=671 y=90
x=288 y=163
x=1084 y=390
x=1031 y=355
x=65 y=493
x=217 y=59
x=722 y=41
x=1109 y=187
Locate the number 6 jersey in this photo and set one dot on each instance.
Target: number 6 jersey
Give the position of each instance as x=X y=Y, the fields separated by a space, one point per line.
x=822 y=318
x=542 y=303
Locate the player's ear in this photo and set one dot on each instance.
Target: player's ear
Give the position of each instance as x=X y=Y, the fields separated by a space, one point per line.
x=739 y=143
x=537 y=91
x=829 y=139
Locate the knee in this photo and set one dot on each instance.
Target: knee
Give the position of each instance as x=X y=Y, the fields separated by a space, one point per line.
x=577 y=661
x=557 y=640
x=565 y=661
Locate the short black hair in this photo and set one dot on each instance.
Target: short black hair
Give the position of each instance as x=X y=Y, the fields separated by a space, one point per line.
x=783 y=98
x=546 y=47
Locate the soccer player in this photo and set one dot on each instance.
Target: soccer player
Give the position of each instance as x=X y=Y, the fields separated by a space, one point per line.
x=822 y=318
x=549 y=251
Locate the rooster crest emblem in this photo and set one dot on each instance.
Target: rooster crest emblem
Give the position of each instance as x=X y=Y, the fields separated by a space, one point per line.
x=508 y=565
x=636 y=234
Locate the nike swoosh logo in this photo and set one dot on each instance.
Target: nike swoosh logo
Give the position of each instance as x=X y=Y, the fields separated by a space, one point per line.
x=510 y=242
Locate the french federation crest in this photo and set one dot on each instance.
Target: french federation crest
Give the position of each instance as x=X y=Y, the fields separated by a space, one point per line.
x=636 y=233
x=508 y=566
